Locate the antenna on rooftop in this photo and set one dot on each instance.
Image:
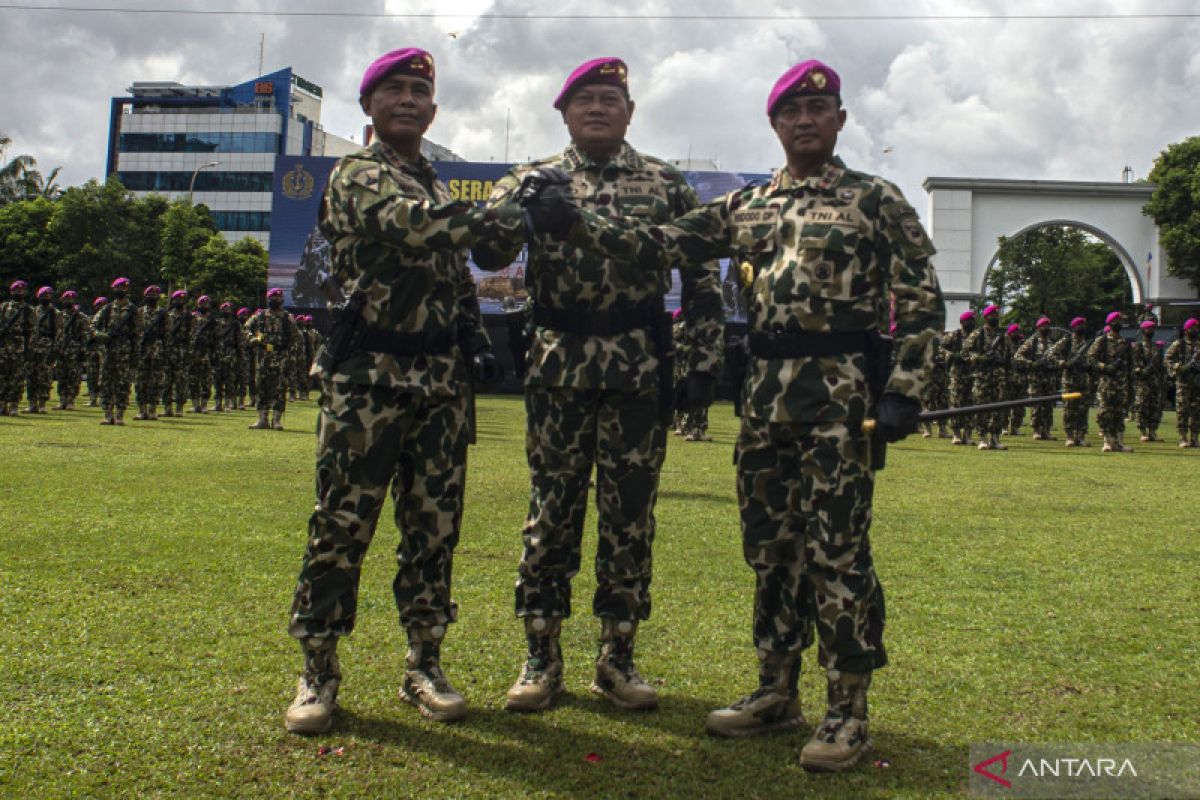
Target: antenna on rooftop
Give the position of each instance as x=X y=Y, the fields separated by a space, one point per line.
x=262 y=45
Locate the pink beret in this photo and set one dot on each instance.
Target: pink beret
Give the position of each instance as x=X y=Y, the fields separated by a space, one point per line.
x=276 y=292
x=120 y=282
x=1014 y=328
x=69 y=294
x=99 y=301
x=677 y=313
x=45 y=291
x=203 y=300
x=1115 y=316
x=1078 y=322
x=1191 y=323
x=989 y=310
x=227 y=306
x=807 y=77
x=243 y=312
x=411 y=61
x=608 y=70
x=1042 y=322
x=1148 y=325
x=966 y=315
x=18 y=285
x=152 y=291
x=179 y=294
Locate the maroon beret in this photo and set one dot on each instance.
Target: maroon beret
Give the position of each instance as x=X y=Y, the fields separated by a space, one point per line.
x=412 y=61
x=807 y=77
x=611 y=71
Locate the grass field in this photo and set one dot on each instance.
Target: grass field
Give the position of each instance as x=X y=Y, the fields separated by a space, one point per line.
x=1039 y=594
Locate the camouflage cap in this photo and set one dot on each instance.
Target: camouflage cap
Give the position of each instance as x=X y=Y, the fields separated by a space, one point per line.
x=411 y=61
x=810 y=77
x=609 y=70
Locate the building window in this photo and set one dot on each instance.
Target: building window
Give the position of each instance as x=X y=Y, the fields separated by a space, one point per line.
x=205 y=142
x=242 y=220
x=206 y=181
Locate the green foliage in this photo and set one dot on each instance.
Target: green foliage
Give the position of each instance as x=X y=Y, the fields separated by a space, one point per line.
x=28 y=250
x=1059 y=272
x=1175 y=207
x=185 y=230
x=1041 y=594
x=20 y=179
x=237 y=272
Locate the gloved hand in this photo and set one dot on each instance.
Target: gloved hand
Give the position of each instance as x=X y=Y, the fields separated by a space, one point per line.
x=487 y=368
x=896 y=416
x=549 y=207
x=696 y=391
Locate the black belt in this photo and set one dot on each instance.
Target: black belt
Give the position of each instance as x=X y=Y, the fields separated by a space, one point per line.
x=425 y=343
x=614 y=322
x=808 y=345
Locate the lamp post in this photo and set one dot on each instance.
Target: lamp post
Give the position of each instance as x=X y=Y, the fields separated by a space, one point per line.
x=192 y=184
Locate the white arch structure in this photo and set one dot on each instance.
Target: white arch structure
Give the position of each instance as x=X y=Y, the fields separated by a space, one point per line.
x=968 y=215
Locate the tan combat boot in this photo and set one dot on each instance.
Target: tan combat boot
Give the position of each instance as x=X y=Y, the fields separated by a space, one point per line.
x=926 y=431
x=425 y=685
x=773 y=706
x=842 y=737
x=316 y=695
x=277 y=420
x=541 y=677
x=262 y=423
x=616 y=676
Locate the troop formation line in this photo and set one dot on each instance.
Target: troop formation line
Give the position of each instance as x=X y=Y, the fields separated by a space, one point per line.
x=983 y=364
x=162 y=356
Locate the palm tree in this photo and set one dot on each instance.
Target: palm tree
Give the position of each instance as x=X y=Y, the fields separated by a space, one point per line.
x=20 y=179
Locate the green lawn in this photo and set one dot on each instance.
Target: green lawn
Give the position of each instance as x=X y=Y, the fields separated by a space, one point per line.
x=1040 y=594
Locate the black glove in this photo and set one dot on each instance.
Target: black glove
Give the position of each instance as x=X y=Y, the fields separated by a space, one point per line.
x=487 y=368
x=696 y=392
x=896 y=416
x=549 y=207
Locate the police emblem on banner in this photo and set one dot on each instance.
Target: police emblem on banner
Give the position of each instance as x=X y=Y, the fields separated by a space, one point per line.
x=298 y=183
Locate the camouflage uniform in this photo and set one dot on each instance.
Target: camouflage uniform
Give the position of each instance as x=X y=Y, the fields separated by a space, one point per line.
x=821 y=255
x=1071 y=355
x=1150 y=377
x=962 y=382
x=1035 y=357
x=177 y=359
x=152 y=370
x=274 y=331
x=231 y=339
x=1112 y=361
x=1014 y=387
x=119 y=334
x=389 y=421
x=592 y=386
x=72 y=349
x=988 y=351
x=95 y=355
x=679 y=341
x=1183 y=363
x=40 y=358
x=203 y=359
x=250 y=358
x=936 y=394
x=16 y=329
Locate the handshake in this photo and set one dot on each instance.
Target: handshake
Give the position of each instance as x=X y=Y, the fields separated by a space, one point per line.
x=547 y=204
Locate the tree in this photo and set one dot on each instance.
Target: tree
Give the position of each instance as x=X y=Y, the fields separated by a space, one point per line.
x=237 y=272
x=1175 y=207
x=20 y=179
x=27 y=248
x=1059 y=272
x=89 y=223
x=185 y=230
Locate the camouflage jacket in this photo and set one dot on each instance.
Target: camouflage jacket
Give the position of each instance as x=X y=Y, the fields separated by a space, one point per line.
x=16 y=325
x=75 y=332
x=47 y=325
x=577 y=280
x=987 y=348
x=952 y=347
x=119 y=324
x=1148 y=363
x=1036 y=355
x=231 y=338
x=204 y=335
x=821 y=255
x=179 y=328
x=1183 y=361
x=1071 y=354
x=274 y=331
x=1110 y=356
x=396 y=236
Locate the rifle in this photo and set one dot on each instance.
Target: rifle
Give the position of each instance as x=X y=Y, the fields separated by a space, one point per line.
x=869 y=426
x=121 y=328
x=155 y=330
x=8 y=323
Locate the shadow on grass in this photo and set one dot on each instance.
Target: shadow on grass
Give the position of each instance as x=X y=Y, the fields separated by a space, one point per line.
x=548 y=753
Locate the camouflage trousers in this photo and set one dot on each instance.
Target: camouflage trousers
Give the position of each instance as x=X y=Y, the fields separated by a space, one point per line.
x=1015 y=390
x=68 y=371
x=1187 y=406
x=989 y=387
x=1041 y=416
x=299 y=377
x=12 y=372
x=1112 y=395
x=272 y=382
x=200 y=377
x=567 y=431
x=961 y=391
x=176 y=376
x=696 y=422
x=1148 y=402
x=116 y=376
x=94 y=358
x=804 y=493
x=250 y=374
x=936 y=393
x=370 y=439
x=1075 y=413
x=225 y=376
x=150 y=375
x=39 y=372
x=239 y=379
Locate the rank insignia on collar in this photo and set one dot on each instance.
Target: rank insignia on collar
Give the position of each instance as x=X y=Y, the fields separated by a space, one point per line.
x=846 y=194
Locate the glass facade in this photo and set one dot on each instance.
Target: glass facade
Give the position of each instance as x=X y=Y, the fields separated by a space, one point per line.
x=242 y=220
x=206 y=181
x=214 y=142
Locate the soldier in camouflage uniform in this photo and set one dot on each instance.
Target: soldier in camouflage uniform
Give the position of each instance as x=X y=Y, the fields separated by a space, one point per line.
x=1034 y=359
x=597 y=392
x=16 y=329
x=1150 y=376
x=119 y=334
x=1014 y=387
x=988 y=351
x=824 y=246
x=151 y=370
x=679 y=341
x=246 y=367
x=962 y=378
x=203 y=353
x=936 y=394
x=1147 y=315
x=95 y=354
x=39 y=363
x=1070 y=353
x=71 y=349
x=315 y=340
x=394 y=412
x=274 y=331
x=1183 y=363
x=230 y=342
x=1110 y=357
x=177 y=355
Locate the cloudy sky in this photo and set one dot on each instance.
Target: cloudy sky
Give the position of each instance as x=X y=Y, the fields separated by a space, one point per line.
x=1011 y=93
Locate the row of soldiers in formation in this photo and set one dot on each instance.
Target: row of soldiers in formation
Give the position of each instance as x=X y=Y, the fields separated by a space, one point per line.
x=165 y=355
x=984 y=364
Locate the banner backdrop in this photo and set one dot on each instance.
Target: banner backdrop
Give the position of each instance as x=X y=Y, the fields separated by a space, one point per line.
x=300 y=255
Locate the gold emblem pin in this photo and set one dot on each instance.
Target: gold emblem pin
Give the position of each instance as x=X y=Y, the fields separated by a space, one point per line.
x=746 y=274
x=818 y=80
